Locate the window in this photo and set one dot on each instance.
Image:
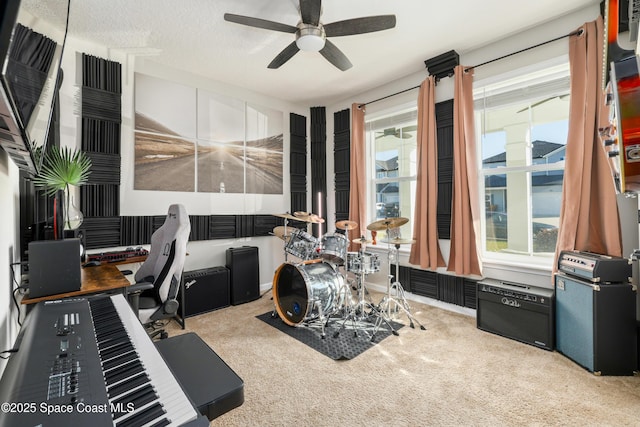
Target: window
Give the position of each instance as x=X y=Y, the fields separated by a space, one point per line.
x=392 y=142
x=522 y=132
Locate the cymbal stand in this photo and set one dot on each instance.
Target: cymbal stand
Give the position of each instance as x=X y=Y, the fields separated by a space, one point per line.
x=284 y=248
x=274 y=313
x=399 y=300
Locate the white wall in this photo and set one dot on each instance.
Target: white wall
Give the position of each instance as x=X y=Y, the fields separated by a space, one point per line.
x=9 y=251
x=202 y=254
x=536 y=275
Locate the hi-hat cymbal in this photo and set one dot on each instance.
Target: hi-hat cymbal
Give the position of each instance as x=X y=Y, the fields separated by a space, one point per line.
x=383 y=224
x=308 y=217
x=362 y=241
x=399 y=241
x=286 y=216
x=279 y=232
x=346 y=225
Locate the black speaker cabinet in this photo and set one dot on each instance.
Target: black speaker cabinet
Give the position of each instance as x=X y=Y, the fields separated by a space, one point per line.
x=244 y=274
x=596 y=325
x=520 y=312
x=205 y=290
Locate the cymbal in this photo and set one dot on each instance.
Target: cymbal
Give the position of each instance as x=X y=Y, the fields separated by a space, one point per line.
x=286 y=216
x=362 y=241
x=308 y=217
x=383 y=224
x=346 y=225
x=399 y=241
x=279 y=232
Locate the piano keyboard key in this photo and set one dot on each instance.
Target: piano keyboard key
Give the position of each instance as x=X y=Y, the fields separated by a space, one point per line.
x=134 y=371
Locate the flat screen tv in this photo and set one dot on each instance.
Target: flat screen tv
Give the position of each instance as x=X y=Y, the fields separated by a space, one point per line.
x=31 y=51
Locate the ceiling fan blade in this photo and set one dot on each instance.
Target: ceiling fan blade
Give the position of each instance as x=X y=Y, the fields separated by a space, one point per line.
x=259 y=23
x=335 y=56
x=535 y=104
x=310 y=11
x=368 y=24
x=286 y=54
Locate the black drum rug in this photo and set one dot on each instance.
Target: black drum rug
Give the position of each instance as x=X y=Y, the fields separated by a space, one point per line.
x=347 y=345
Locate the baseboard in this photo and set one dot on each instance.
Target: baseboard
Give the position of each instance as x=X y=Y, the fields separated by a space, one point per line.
x=266 y=287
x=428 y=301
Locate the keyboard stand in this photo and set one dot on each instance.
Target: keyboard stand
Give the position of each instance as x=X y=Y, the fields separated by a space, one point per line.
x=213 y=387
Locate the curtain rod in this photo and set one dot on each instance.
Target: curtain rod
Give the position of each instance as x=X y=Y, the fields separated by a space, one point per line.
x=573 y=33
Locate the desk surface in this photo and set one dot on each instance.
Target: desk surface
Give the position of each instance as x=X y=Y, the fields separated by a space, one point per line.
x=99 y=278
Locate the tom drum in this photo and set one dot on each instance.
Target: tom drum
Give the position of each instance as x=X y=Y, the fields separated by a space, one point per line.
x=334 y=248
x=301 y=244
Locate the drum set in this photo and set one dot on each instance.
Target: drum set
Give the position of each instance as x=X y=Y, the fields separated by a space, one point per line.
x=315 y=288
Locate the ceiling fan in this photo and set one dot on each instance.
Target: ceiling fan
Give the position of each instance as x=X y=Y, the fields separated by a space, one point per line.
x=401 y=133
x=535 y=104
x=311 y=34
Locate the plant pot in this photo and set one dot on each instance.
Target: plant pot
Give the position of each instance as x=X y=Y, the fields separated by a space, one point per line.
x=72 y=216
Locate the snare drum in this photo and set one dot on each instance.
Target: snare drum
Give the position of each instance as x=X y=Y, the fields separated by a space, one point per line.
x=306 y=291
x=362 y=262
x=302 y=245
x=334 y=248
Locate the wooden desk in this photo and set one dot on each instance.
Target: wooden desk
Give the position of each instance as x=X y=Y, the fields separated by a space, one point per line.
x=96 y=279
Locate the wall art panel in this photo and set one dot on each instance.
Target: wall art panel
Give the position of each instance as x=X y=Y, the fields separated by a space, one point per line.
x=264 y=147
x=189 y=139
x=165 y=129
x=220 y=143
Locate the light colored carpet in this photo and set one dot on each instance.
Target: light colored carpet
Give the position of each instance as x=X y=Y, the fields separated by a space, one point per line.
x=451 y=374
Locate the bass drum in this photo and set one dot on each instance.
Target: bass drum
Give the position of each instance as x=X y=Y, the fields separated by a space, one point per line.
x=301 y=290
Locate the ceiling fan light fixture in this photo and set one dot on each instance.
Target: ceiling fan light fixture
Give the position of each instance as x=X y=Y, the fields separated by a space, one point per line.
x=310 y=38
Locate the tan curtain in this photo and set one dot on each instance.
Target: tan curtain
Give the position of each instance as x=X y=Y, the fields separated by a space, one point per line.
x=465 y=208
x=589 y=213
x=425 y=252
x=358 y=190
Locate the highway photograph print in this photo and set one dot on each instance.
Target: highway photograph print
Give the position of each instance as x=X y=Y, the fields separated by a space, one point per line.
x=264 y=134
x=220 y=123
x=165 y=131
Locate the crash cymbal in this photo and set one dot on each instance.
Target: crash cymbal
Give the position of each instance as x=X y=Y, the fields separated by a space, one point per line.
x=286 y=216
x=302 y=216
x=399 y=241
x=383 y=224
x=316 y=219
x=362 y=241
x=346 y=225
x=279 y=232
x=308 y=217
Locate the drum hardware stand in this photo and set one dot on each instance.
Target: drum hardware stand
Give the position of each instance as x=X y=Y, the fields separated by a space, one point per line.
x=322 y=319
x=399 y=300
x=361 y=307
x=274 y=313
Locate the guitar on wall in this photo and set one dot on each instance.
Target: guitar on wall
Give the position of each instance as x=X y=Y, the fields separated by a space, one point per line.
x=622 y=137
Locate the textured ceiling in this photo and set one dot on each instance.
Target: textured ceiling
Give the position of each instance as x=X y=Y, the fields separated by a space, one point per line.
x=192 y=35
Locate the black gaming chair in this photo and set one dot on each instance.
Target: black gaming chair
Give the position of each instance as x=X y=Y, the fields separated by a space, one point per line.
x=154 y=295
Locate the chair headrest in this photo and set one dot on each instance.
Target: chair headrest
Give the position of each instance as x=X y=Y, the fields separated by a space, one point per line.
x=176 y=216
